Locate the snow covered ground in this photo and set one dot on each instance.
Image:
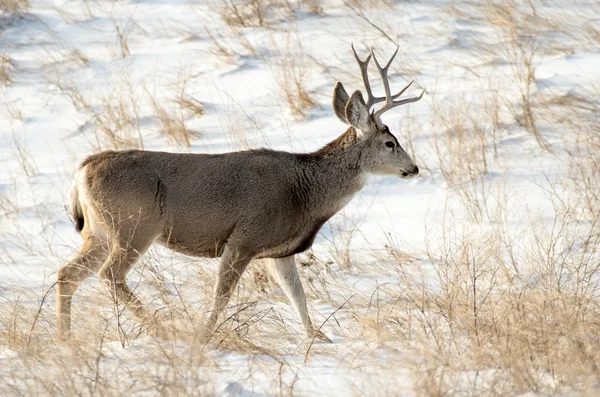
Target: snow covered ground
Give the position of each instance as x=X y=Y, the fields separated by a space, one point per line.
x=478 y=277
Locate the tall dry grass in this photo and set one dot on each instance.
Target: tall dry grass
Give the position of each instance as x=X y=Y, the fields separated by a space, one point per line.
x=289 y=66
x=6 y=69
x=263 y=13
x=484 y=321
x=14 y=6
x=283 y=52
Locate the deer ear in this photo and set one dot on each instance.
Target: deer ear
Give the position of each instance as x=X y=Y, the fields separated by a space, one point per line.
x=357 y=113
x=340 y=99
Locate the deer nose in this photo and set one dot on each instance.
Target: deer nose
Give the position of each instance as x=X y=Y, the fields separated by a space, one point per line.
x=414 y=170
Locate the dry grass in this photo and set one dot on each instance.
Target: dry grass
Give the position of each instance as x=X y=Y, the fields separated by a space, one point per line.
x=521 y=48
x=466 y=148
x=182 y=107
x=6 y=69
x=263 y=13
x=284 y=54
x=286 y=58
x=358 y=8
x=496 y=306
x=519 y=39
x=172 y=121
x=245 y=14
x=221 y=48
x=116 y=122
x=290 y=71
x=14 y=6
x=24 y=157
x=189 y=105
x=526 y=331
x=94 y=364
x=494 y=309
x=233 y=47
x=370 y=4
x=243 y=132
x=115 y=117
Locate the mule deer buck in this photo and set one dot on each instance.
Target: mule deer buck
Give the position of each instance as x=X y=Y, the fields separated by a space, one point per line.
x=237 y=206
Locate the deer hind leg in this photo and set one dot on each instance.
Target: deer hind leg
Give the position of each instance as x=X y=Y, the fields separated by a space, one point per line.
x=72 y=274
x=114 y=272
x=233 y=263
x=285 y=273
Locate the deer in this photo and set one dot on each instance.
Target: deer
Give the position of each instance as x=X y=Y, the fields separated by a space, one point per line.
x=237 y=206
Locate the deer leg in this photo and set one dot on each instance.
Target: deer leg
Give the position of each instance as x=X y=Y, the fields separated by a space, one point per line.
x=285 y=273
x=114 y=272
x=72 y=274
x=233 y=263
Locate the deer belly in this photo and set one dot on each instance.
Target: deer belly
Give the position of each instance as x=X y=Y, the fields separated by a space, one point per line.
x=294 y=245
x=194 y=241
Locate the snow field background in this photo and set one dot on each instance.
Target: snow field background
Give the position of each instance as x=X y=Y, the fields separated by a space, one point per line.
x=477 y=278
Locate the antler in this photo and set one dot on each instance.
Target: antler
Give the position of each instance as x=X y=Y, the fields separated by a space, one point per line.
x=383 y=72
x=372 y=100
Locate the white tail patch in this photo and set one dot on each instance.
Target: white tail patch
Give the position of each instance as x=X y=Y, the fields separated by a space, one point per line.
x=81 y=202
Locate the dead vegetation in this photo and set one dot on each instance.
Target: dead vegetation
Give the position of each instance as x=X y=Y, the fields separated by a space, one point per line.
x=6 y=69
x=14 y=6
x=115 y=118
x=519 y=38
x=288 y=64
x=465 y=149
x=263 y=13
x=485 y=323
x=41 y=367
x=173 y=122
x=285 y=57
x=36 y=364
x=497 y=305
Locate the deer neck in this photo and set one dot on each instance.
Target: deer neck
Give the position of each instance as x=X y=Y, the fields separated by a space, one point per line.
x=338 y=174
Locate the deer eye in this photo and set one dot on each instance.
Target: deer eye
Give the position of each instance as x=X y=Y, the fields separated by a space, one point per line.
x=389 y=144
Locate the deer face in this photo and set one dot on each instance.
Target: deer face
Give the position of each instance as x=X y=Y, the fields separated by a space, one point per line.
x=383 y=155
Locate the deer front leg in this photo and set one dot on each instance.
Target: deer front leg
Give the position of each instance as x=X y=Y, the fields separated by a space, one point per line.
x=285 y=273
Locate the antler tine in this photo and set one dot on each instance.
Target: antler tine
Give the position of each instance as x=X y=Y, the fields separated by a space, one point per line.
x=364 y=65
x=392 y=104
x=389 y=99
x=402 y=90
x=384 y=71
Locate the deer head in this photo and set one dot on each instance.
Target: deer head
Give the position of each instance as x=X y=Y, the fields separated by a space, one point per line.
x=385 y=155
